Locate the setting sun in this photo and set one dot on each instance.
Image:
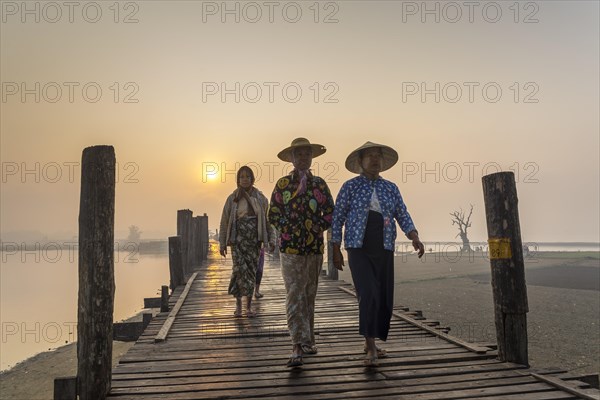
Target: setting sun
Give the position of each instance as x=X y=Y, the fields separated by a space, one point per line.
x=209 y=177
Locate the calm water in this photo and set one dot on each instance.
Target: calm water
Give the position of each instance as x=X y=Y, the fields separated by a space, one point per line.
x=38 y=308
x=533 y=246
x=563 y=246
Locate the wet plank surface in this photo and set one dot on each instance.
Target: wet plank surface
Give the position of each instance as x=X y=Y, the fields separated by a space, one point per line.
x=209 y=354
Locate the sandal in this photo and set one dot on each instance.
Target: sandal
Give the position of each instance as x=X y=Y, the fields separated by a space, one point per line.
x=381 y=353
x=295 y=360
x=237 y=314
x=250 y=313
x=259 y=295
x=309 y=349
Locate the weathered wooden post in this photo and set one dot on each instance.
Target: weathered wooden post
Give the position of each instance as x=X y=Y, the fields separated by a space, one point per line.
x=332 y=272
x=184 y=226
x=175 y=262
x=164 y=298
x=96 y=272
x=146 y=319
x=204 y=236
x=65 y=388
x=195 y=241
x=508 y=270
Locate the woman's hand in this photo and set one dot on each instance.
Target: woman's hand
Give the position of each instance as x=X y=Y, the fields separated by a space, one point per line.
x=338 y=258
x=316 y=229
x=416 y=242
x=418 y=246
x=223 y=251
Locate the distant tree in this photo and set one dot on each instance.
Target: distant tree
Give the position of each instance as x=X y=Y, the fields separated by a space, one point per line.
x=134 y=234
x=463 y=223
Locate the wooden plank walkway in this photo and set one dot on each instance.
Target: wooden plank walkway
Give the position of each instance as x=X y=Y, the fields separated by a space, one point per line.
x=207 y=354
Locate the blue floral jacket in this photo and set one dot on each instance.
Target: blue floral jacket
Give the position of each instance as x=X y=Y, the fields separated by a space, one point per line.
x=352 y=209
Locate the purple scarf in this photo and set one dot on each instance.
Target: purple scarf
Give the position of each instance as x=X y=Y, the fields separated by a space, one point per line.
x=303 y=177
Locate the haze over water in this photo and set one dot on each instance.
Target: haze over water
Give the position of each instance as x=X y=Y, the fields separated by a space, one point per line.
x=188 y=91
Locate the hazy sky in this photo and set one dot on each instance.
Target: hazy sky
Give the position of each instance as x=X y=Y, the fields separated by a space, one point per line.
x=181 y=88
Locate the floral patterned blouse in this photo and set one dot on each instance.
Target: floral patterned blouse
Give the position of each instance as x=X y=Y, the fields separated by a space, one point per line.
x=352 y=209
x=301 y=219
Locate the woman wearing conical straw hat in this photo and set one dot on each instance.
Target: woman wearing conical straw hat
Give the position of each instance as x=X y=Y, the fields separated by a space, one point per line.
x=366 y=207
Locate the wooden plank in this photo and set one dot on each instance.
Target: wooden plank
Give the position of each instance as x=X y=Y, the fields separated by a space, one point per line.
x=408 y=374
x=250 y=345
x=152 y=302
x=523 y=391
x=164 y=331
x=430 y=371
x=530 y=396
x=236 y=355
x=198 y=367
x=590 y=379
x=209 y=354
x=452 y=339
x=566 y=387
x=369 y=386
x=270 y=378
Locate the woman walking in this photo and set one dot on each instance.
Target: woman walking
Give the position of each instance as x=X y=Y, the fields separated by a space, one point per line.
x=244 y=227
x=367 y=206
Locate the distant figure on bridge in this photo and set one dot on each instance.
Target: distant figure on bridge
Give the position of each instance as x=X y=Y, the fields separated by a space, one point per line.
x=301 y=210
x=366 y=206
x=244 y=227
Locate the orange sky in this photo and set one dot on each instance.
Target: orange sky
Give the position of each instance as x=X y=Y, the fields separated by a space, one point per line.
x=363 y=71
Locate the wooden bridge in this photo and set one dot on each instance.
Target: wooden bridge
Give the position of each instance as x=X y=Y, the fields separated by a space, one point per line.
x=198 y=350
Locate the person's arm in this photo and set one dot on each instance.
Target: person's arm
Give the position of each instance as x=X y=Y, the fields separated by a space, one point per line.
x=406 y=223
x=338 y=257
x=223 y=226
x=327 y=207
x=276 y=214
x=416 y=242
x=270 y=243
x=340 y=213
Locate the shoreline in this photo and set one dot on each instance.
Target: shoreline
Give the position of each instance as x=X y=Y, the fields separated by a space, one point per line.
x=444 y=291
x=134 y=318
x=33 y=378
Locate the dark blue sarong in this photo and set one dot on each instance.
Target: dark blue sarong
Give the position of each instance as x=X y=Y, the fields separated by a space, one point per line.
x=372 y=270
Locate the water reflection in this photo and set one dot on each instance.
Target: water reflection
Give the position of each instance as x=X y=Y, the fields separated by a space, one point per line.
x=38 y=308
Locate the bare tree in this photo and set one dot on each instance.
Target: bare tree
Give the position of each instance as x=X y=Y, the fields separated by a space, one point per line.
x=458 y=218
x=134 y=234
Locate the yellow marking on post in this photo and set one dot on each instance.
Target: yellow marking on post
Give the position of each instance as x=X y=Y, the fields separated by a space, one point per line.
x=499 y=248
